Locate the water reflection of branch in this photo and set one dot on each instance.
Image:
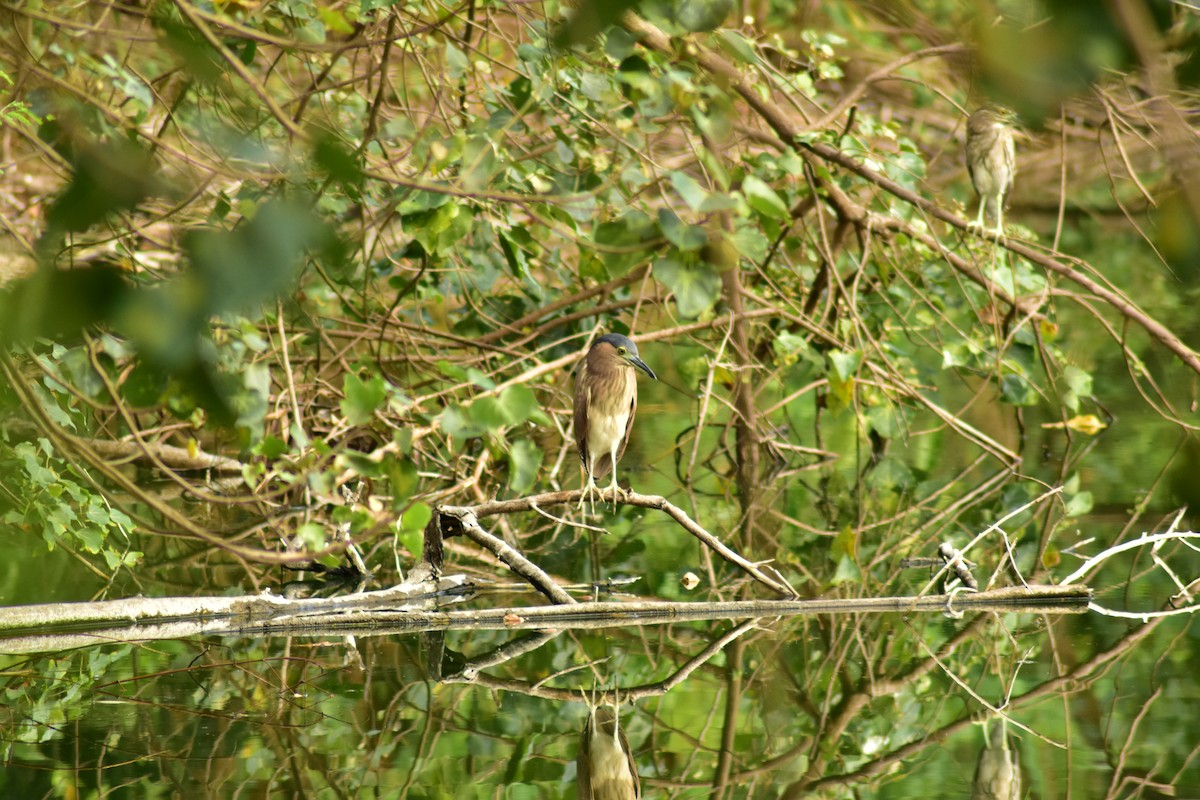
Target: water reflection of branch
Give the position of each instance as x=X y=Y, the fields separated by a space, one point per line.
x=997 y=526
x=1072 y=681
x=1155 y=541
x=471 y=673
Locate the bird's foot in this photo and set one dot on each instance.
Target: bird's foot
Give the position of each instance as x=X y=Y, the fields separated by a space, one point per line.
x=617 y=494
x=589 y=494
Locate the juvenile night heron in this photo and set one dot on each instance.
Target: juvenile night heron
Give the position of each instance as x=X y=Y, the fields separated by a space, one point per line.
x=604 y=767
x=991 y=162
x=998 y=771
x=605 y=402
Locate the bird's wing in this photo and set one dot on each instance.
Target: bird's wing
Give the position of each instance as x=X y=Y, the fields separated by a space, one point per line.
x=583 y=771
x=637 y=779
x=581 y=416
x=1010 y=162
x=628 y=425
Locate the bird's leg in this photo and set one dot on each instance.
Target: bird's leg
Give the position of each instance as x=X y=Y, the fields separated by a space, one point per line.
x=616 y=720
x=616 y=490
x=978 y=223
x=589 y=493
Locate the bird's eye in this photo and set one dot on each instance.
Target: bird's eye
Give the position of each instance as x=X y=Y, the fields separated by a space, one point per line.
x=620 y=351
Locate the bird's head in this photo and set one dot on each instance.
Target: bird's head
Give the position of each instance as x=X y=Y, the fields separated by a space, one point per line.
x=995 y=114
x=624 y=349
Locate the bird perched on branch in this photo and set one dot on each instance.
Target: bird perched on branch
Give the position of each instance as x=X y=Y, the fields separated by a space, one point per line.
x=605 y=403
x=604 y=768
x=991 y=162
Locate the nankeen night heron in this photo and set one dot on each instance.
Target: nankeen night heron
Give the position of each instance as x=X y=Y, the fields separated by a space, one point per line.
x=604 y=768
x=605 y=403
x=998 y=771
x=991 y=161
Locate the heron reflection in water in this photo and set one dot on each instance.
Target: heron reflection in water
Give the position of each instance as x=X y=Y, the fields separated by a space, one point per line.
x=605 y=767
x=998 y=771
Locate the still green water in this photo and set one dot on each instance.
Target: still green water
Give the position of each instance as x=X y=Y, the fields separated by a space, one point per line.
x=868 y=706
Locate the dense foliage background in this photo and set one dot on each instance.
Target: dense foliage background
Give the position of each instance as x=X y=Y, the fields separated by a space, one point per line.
x=280 y=274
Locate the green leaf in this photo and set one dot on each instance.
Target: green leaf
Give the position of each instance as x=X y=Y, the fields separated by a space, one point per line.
x=844 y=545
x=763 y=199
x=487 y=414
x=109 y=177
x=1017 y=390
x=311 y=535
x=737 y=45
x=362 y=398
x=845 y=365
x=886 y=420
x=416 y=518
x=91 y=537
x=514 y=405
x=685 y=237
x=622 y=243
x=457 y=422
x=454 y=372
x=479 y=162
x=56 y=303
x=588 y=19
x=697 y=197
x=270 y=448
x=1079 y=386
x=250 y=402
x=239 y=270
x=440 y=229
x=524 y=460
x=841 y=377
x=457 y=62
x=200 y=59
x=337 y=161
x=513 y=256
x=1079 y=504
x=404 y=478
x=334 y=20
x=701 y=15
x=619 y=43
x=750 y=242
x=696 y=286
x=891 y=474
x=421 y=200
x=518 y=402
x=361 y=463
x=689 y=189
x=847 y=572
x=127 y=559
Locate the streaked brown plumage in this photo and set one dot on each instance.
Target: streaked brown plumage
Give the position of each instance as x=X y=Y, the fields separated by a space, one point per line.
x=991 y=161
x=605 y=769
x=605 y=404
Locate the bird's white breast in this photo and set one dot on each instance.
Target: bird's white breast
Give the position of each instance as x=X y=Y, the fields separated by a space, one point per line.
x=607 y=428
x=610 y=764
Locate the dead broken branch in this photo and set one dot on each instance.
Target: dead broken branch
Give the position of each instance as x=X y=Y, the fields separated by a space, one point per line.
x=455 y=520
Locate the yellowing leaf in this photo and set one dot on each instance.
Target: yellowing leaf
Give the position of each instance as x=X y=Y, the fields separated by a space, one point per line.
x=1088 y=424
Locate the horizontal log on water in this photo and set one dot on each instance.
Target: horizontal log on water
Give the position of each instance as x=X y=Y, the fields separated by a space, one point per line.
x=414 y=607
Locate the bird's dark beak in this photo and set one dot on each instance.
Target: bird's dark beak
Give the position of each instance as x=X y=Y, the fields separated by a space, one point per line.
x=637 y=362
